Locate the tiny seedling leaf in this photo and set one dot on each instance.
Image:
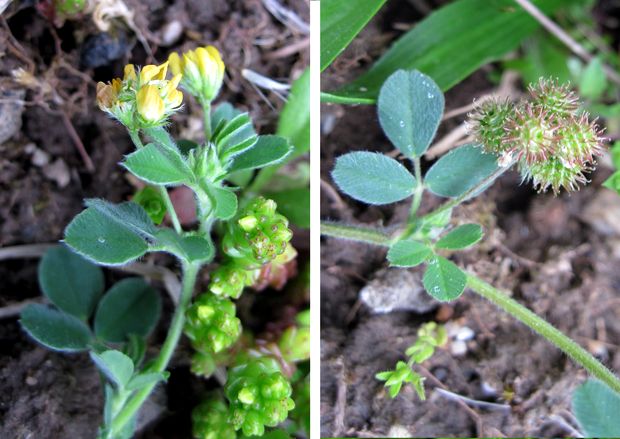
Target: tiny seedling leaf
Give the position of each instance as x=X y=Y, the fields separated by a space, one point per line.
x=461 y=237
x=373 y=178
x=443 y=279
x=596 y=407
x=110 y=234
x=460 y=170
x=158 y=165
x=408 y=253
x=115 y=365
x=70 y=282
x=410 y=107
x=268 y=150
x=55 y=329
x=131 y=306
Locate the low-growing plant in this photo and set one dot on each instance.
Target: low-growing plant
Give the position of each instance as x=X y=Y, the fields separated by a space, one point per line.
x=545 y=136
x=257 y=376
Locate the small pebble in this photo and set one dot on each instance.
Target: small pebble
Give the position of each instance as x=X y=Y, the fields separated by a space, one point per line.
x=399 y=431
x=465 y=333
x=58 y=172
x=100 y=49
x=31 y=381
x=171 y=32
x=458 y=348
x=11 y=109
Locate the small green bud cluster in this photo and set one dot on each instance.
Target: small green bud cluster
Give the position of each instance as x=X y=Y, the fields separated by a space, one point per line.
x=211 y=324
x=259 y=395
x=552 y=143
x=257 y=237
x=210 y=420
x=294 y=343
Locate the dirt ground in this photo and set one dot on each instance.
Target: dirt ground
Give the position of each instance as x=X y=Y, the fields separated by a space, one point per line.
x=558 y=256
x=43 y=178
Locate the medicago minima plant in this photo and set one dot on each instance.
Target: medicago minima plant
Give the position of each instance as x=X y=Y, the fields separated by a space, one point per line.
x=258 y=376
x=545 y=136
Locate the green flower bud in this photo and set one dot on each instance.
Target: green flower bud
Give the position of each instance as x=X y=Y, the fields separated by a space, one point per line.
x=229 y=280
x=210 y=420
x=294 y=344
x=259 y=395
x=258 y=236
x=211 y=323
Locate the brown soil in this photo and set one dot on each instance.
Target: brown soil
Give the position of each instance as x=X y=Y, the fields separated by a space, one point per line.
x=49 y=395
x=549 y=252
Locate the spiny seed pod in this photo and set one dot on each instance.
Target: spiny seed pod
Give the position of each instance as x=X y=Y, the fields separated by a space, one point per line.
x=210 y=420
x=554 y=98
x=259 y=234
x=211 y=323
x=229 y=280
x=259 y=395
x=552 y=143
x=487 y=121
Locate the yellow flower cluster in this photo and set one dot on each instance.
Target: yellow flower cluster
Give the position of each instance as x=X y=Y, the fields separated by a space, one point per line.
x=143 y=99
x=202 y=70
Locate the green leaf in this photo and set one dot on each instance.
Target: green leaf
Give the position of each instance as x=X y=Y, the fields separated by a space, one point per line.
x=268 y=150
x=151 y=200
x=449 y=45
x=162 y=138
x=460 y=170
x=443 y=279
x=408 y=253
x=115 y=365
x=225 y=201
x=55 y=329
x=70 y=282
x=294 y=122
x=461 y=237
x=157 y=165
x=613 y=182
x=144 y=379
x=410 y=107
x=293 y=204
x=373 y=178
x=131 y=306
x=596 y=407
x=192 y=248
x=235 y=137
x=341 y=22
x=110 y=234
x=593 y=81
x=223 y=114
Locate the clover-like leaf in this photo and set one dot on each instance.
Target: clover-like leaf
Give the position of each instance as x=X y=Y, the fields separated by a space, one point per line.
x=408 y=253
x=115 y=365
x=158 y=165
x=443 y=279
x=55 y=329
x=461 y=237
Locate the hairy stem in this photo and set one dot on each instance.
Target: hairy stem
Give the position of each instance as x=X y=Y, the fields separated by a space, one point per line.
x=355 y=233
x=419 y=189
x=135 y=137
x=542 y=327
x=190 y=272
x=206 y=114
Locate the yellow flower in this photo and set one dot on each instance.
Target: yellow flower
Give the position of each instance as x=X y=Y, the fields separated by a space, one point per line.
x=202 y=70
x=150 y=105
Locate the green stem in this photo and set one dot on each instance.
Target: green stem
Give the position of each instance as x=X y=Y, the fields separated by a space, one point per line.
x=355 y=233
x=135 y=137
x=419 y=189
x=190 y=272
x=206 y=114
x=542 y=327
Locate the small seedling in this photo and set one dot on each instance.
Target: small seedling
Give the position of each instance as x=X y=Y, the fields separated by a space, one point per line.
x=113 y=327
x=545 y=136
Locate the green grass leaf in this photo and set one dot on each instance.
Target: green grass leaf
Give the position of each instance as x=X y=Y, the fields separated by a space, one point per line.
x=410 y=107
x=70 y=282
x=596 y=407
x=448 y=45
x=55 y=329
x=460 y=170
x=443 y=279
x=461 y=237
x=373 y=178
x=341 y=21
x=408 y=253
x=268 y=150
x=115 y=365
x=131 y=306
x=294 y=122
x=158 y=165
